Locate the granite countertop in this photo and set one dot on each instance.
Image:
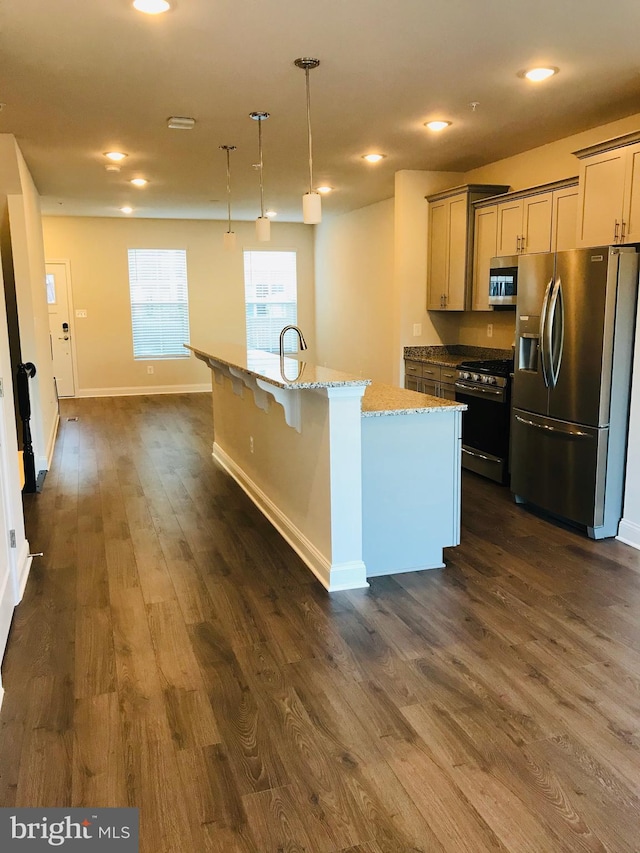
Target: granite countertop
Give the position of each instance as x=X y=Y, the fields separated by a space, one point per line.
x=451 y=356
x=283 y=372
x=380 y=400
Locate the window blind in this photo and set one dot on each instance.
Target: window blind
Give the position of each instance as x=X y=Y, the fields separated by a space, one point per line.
x=159 y=303
x=271 y=294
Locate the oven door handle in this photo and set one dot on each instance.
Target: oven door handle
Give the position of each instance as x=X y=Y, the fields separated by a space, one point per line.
x=481 y=456
x=480 y=390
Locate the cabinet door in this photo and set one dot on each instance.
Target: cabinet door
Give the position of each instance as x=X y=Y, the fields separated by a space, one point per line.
x=438 y=253
x=601 y=197
x=631 y=215
x=457 y=261
x=509 y=227
x=536 y=223
x=484 y=248
x=564 y=219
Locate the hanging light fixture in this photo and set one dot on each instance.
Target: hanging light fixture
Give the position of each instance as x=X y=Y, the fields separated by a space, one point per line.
x=229 y=237
x=263 y=223
x=311 y=202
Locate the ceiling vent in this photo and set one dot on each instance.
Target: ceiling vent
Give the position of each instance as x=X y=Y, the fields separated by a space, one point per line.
x=180 y=123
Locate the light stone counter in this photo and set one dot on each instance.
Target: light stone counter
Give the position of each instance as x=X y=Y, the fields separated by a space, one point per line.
x=380 y=400
x=283 y=372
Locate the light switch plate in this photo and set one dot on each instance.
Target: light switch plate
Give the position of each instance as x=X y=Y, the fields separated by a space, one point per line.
x=417 y=330
x=81 y=313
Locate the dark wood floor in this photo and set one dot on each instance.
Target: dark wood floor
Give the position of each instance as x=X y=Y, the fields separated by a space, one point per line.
x=172 y=653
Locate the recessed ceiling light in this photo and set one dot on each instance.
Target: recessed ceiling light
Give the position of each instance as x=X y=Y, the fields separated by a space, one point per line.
x=373 y=158
x=111 y=167
x=126 y=209
x=115 y=155
x=180 y=122
x=324 y=190
x=139 y=182
x=152 y=7
x=437 y=125
x=271 y=213
x=536 y=75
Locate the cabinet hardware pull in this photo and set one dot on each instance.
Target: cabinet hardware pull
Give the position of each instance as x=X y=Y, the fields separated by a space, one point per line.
x=522 y=244
x=616 y=232
x=624 y=228
x=518 y=245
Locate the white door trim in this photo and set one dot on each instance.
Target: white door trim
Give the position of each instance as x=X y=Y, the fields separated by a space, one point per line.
x=72 y=316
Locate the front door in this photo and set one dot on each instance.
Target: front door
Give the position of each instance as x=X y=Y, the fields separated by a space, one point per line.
x=58 y=298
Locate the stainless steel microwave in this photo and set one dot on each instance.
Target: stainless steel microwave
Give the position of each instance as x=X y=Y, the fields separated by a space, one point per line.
x=503 y=281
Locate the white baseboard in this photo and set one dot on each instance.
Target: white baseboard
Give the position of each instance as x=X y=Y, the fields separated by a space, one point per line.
x=138 y=390
x=333 y=576
x=1 y=694
x=45 y=465
x=629 y=533
x=23 y=567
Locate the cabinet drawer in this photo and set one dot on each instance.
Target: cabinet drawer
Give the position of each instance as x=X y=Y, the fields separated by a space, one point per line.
x=448 y=375
x=412 y=368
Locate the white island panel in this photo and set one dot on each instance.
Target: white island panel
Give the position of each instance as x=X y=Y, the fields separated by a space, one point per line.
x=410 y=489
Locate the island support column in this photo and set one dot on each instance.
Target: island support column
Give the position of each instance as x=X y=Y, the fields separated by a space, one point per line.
x=306 y=478
x=348 y=570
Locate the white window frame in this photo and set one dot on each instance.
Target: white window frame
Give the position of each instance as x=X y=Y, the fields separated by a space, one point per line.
x=270 y=297
x=159 y=301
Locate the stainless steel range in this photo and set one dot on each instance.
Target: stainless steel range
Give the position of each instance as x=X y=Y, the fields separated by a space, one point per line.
x=485 y=386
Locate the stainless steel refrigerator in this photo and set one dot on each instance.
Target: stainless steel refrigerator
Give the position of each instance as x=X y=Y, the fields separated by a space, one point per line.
x=575 y=325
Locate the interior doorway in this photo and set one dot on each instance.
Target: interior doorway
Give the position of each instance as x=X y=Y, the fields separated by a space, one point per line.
x=59 y=299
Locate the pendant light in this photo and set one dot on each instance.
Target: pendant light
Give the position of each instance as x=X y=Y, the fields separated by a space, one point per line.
x=229 y=237
x=311 y=202
x=263 y=223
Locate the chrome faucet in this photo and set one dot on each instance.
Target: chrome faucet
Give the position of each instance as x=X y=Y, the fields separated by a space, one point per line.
x=303 y=343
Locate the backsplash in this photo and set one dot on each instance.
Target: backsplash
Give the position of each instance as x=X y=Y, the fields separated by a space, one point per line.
x=457 y=349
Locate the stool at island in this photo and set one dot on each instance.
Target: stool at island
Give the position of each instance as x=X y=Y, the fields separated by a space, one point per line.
x=361 y=479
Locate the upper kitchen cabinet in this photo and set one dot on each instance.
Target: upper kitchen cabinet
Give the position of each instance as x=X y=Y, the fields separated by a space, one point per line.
x=537 y=219
x=609 y=198
x=450 y=245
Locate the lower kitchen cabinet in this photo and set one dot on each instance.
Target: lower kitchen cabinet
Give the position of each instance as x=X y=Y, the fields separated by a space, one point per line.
x=428 y=378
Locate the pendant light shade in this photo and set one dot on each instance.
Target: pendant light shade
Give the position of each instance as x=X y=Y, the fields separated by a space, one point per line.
x=229 y=237
x=311 y=208
x=263 y=229
x=263 y=225
x=311 y=202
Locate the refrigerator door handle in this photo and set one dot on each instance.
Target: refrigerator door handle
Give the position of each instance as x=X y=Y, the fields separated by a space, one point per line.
x=555 y=332
x=574 y=433
x=544 y=349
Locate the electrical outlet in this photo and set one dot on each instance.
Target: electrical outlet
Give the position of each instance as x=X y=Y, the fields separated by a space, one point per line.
x=81 y=314
x=489 y=330
x=149 y=368
x=417 y=330
x=251 y=444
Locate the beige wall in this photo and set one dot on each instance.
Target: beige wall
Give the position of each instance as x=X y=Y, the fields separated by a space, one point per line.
x=97 y=251
x=551 y=162
x=354 y=292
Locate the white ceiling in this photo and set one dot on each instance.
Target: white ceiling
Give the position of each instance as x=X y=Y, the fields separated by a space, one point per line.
x=81 y=77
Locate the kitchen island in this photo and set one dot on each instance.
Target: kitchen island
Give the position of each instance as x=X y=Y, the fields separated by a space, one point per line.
x=361 y=479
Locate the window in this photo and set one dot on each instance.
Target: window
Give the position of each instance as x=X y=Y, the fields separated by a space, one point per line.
x=270 y=295
x=159 y=303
